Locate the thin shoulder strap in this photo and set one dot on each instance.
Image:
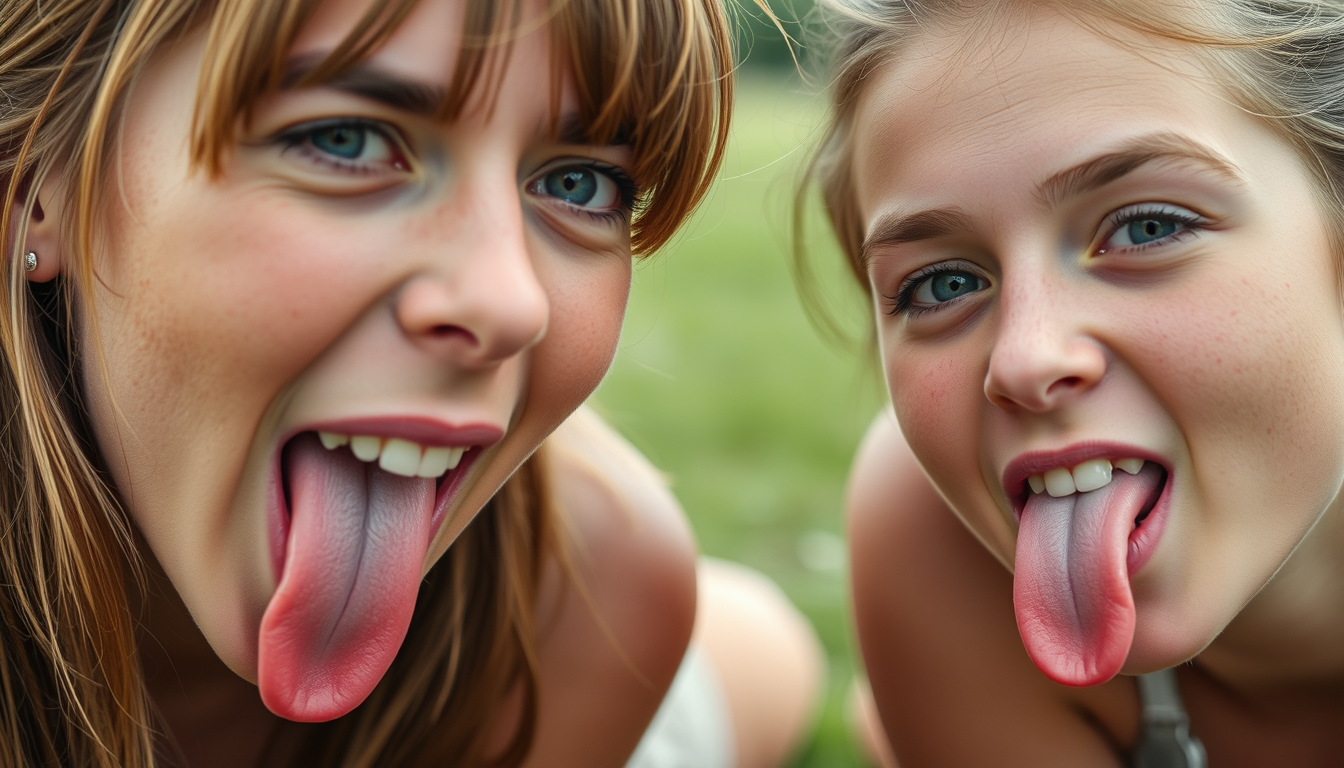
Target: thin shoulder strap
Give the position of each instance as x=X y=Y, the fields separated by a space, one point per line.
x=1165 y=741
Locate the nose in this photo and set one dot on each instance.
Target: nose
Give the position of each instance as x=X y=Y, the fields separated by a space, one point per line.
x=479 y=300
x=1043 y=356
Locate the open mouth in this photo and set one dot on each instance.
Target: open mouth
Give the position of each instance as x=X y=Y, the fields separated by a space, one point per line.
x=398 y=456
x=1085 y=477
x=355 y=510
x=1086 y=527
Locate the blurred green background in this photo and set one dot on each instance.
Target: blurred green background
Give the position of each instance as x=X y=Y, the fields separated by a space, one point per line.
x=725 y=386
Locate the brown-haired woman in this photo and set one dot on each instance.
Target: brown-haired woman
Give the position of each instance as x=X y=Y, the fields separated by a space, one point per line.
x=295 y=291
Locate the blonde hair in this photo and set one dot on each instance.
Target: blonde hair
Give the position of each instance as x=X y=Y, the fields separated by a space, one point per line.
x=650 y=73
x=1281 y=60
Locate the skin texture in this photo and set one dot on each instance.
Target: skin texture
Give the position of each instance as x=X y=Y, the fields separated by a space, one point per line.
x=611 y=637
x=235 y=311
x=1218 y=351
x=625 y=523
x=238 y=311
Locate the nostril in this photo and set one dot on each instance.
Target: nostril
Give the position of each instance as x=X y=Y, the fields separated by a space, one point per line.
x=1068 y=382
x=447 y=331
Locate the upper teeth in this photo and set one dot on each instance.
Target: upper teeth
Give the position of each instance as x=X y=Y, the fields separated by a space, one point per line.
x=1088 y=476
x=400 y=457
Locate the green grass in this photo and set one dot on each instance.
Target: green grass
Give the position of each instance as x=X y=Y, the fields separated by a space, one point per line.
x=723 y=383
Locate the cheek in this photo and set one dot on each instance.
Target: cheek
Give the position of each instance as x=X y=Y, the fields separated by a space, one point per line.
x=587 y=305
x=1255 y=381
x=207 y=301
x=587 y=302
x=937 y=392
x=265 y=264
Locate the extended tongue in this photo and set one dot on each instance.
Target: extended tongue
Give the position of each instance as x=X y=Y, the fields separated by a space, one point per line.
x=1075 y=611
x=357 y=543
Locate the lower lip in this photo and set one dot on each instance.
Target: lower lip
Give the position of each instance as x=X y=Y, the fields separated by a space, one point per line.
x=1144 y=538
x=280 y=514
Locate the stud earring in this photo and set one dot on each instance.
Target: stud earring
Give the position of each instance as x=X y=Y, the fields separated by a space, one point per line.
x=30 y=262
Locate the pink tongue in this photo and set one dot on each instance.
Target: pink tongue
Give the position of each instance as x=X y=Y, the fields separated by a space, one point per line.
x=1071 y=582
x=357 y=542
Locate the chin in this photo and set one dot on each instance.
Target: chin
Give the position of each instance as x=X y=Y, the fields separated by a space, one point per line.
x=1166 y=637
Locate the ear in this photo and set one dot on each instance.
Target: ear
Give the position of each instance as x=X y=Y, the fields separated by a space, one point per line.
x=46 y=238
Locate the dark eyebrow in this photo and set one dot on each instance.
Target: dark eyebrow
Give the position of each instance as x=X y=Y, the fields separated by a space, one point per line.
x=417 y=98
x=369 y=82
x=895 y=228
x=1104 y=169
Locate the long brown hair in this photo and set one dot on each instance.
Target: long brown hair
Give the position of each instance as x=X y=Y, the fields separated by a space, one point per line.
x=653 y=73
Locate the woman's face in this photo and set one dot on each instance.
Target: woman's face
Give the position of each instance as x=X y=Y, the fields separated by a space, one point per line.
x=425 y=293
x=1082 y=252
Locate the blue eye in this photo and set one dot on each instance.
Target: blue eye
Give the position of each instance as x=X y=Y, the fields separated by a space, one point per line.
x=590 y=186
x=581 y=187
x=932 y=287
x=1148 y=230
x=348 y=145
x=345 y=141
x=576 y=186
x=944 y=287
x=1142 y=226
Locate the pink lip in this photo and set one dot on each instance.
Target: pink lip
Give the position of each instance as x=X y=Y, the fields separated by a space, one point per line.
x=417 y=429
x=1143 y=539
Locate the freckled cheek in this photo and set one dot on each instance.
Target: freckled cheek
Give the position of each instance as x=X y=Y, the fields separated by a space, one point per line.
x=256 y=270
x=586 y=311
x=1254 y=379
x=937 y=393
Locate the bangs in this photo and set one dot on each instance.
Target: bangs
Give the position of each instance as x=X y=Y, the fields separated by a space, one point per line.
x=653 y=74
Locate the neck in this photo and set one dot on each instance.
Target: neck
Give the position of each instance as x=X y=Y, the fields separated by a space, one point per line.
x=1291 y=634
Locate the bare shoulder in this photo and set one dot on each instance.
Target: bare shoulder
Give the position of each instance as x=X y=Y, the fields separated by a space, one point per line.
x=934 y=612
x=626 y=534
x=607 y=488
x=615 y=617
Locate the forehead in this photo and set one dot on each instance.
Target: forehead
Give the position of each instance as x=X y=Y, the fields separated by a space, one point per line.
x=426 y=46
x=428 y=41
x=976 y=117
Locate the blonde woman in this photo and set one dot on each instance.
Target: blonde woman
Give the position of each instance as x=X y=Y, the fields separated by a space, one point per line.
x=1103 y=242
x=295 y=290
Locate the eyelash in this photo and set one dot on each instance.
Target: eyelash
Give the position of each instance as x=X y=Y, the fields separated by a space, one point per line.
x=300 y=137
x=626 y=189
x=1189 y=221
x=901 y=302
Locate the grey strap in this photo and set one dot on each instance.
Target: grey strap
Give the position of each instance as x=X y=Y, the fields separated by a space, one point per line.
x=1165 y=741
